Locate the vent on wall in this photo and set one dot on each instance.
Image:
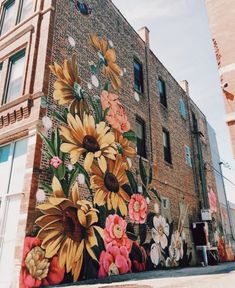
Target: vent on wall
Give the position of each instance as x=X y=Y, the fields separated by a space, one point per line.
x=83 y=8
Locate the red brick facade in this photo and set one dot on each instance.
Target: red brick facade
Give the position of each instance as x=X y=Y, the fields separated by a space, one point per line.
x=221 y=20
x=45 y=37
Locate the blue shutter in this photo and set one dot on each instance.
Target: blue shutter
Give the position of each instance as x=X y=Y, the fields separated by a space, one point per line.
x=188 y=156
x=182 y=109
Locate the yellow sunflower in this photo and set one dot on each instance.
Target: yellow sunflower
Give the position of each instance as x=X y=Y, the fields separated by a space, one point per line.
x=96 y=141
x=108 y=185
x=67 y=77
x=67 y=228
x=124 y=145
x=110 y=67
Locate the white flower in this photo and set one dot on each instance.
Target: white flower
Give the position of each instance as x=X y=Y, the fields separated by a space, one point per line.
x=111 y=43
x=183 y=236
x=71 y=41
x=140 y=189
x=155 y=253
x=95 y=81
x=171 y=262
x=148 y=200
x=97 y=97
x=81 y=178
x=89 y=86
x=176 y=248
x=137 y=97
x=40 y=196
x=70 y=167
x=121 y=73
x=46 y=122
x=160 y=231
x=124 y=70
x=156 y=208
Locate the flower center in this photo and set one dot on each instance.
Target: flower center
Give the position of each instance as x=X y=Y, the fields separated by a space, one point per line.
x=90 y=144
x=111 y=182
x=37 y=264
x=137 y=206
x=117 y=231
x=113 y=269
x=160 y=230
x=72 y=227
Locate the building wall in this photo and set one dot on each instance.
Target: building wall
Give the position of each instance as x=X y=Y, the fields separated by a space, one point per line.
x=46 y=38
x=221 y=21
x=20 y=118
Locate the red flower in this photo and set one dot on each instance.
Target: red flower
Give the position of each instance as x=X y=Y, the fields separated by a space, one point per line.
x=138 y=257
x=115 y=232
x=36 y=269
x=114 y=261
x=138 y=209
x=56 y=162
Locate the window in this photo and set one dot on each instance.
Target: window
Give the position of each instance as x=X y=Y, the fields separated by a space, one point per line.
x=26 y=9
x=12 y=170
x=166 y=146
x=165 y=203
x=138 y=77
x=13 y=88
x=188 y=156
x=7 y=19
x=140 y=135
x=183 y=112
x=162 y=92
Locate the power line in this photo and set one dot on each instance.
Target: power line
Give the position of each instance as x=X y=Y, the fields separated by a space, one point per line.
x=221 y=174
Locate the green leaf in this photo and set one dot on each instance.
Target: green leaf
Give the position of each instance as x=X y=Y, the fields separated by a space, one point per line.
x=156 y=194
x=59 y=117
x=44 y=102
x=132 y=181
x=106 y=111
x=131 y=236
x=106 y=87
x=57 y=142
x=48 y=144
x=46 y=187
x=143 y=173
x=150 y=219
x=130 y=135
x=78 y=92
x=61 y=171
x=143 y=233
x=93 y=69
x=127 y=189
x=73 y=178
x=130 y=228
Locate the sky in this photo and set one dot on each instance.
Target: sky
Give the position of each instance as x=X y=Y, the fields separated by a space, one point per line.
x=181 y=39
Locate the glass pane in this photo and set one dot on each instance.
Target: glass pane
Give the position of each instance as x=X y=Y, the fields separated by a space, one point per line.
x=8 y=239
x=16 y=79
x=139 y=130
x=9 y=14
x=165 y=139
x=18 y=167
x=27 y=9
x=4 y=168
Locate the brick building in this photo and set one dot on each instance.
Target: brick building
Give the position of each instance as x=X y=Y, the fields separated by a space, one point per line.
x=171 y=131
x=220 y=14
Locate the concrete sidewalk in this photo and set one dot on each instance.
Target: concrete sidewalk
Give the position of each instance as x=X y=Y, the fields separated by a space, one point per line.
x=220 y=276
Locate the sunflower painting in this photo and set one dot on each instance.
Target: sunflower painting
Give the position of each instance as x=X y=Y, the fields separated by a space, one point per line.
x=95 y=201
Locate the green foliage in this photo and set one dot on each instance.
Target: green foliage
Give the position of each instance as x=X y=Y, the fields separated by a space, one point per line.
x=130 y=135
x=132 y=181
x=143 y=233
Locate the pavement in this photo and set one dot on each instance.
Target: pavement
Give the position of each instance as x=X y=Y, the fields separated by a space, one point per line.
x=220 y=276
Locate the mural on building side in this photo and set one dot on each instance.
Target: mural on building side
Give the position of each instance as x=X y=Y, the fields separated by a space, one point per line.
x=107 y=228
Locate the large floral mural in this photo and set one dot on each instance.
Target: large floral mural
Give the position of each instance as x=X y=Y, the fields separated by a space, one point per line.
x=95 y=221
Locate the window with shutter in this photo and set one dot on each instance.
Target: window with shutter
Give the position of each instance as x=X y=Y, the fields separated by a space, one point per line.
x=140 y=137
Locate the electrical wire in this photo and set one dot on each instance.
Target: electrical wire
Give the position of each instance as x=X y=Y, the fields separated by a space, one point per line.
x=221 y=174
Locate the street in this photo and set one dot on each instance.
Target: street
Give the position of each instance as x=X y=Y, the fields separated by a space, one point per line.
x=220 y=276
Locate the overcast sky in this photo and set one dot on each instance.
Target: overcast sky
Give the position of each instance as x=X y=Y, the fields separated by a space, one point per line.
x=180 y=38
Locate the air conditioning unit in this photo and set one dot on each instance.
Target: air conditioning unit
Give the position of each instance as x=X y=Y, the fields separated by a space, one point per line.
x=206 y=215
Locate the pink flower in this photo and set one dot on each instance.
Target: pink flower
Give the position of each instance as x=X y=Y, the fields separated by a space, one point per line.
x=36 y=269
x=115 y=232
x=116 y=116
x=212 y=201
x=56 y=162
x=138 y=208
x=114 y=261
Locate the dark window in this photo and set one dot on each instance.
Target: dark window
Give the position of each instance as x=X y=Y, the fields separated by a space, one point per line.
x=25 y=9
x=138 y=77
x=140 y=137
x=162 y=92
x=183 y=112
x=13 y=87
x=166 y=146
x=7 y=18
